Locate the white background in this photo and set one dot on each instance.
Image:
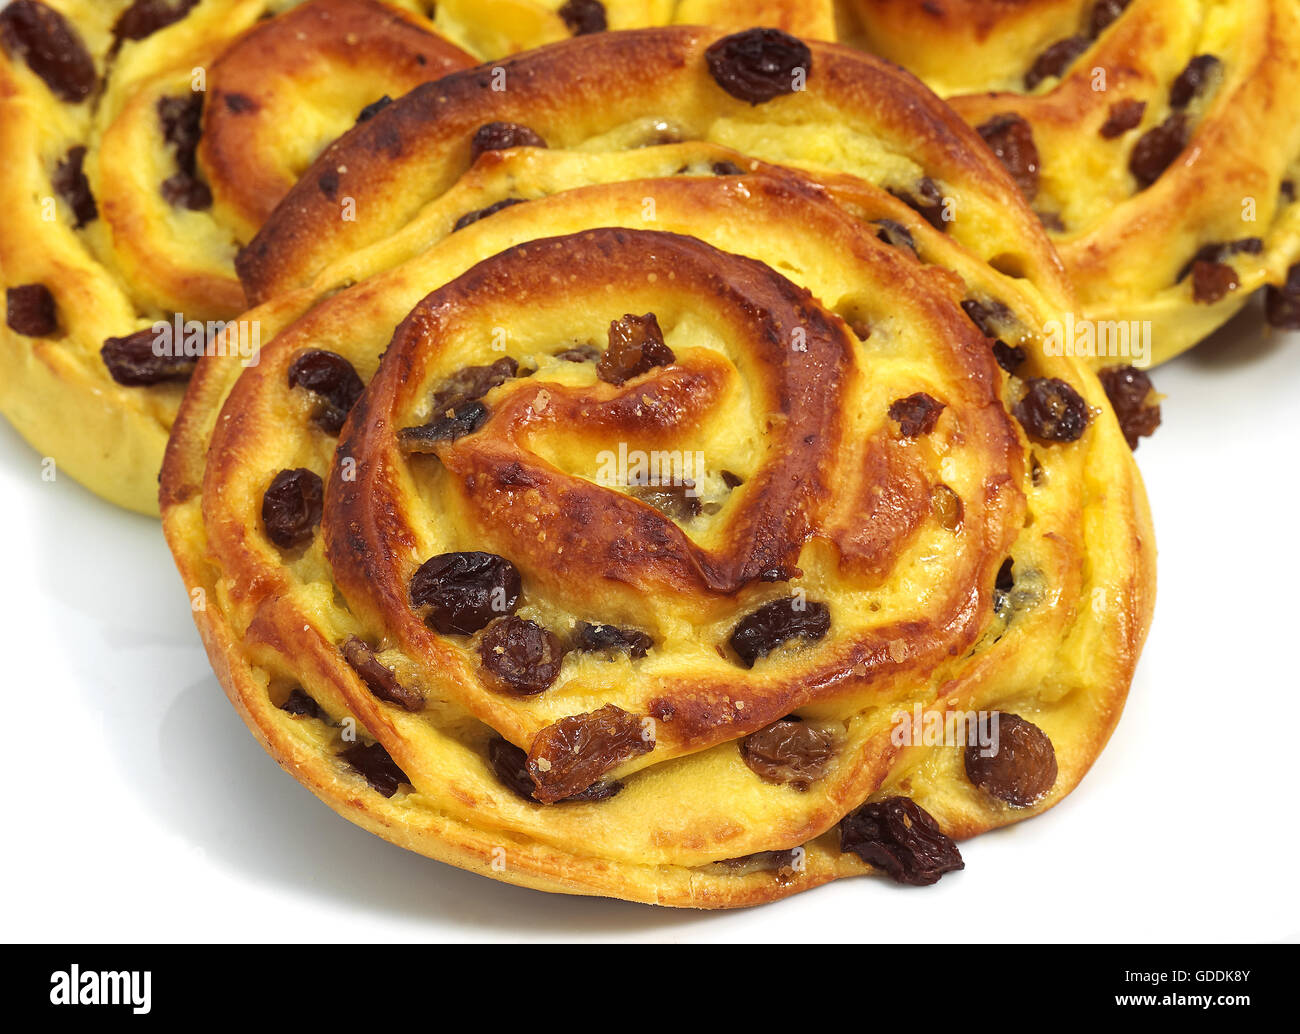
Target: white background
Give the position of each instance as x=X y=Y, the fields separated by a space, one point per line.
x=139 y=808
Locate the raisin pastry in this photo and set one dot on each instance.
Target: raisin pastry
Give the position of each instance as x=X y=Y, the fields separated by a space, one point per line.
x=144 y=143
x=1157 y=140
x=684 y=482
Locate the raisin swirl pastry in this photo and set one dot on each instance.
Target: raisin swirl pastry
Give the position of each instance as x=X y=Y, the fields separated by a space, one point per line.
x=441 y=589
x=144 y=142
x=1157 y=140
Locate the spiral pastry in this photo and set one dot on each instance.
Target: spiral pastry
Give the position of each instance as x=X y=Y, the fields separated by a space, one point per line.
x=145 y=142
x=686 y=492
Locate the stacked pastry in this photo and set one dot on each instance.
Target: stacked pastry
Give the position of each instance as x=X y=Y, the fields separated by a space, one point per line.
x=643 y=465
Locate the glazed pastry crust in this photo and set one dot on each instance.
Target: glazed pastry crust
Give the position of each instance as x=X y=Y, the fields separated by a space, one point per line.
x=731 y=264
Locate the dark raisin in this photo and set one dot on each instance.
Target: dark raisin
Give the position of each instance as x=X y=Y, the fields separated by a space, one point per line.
x=591 y=638
x=1051 y=221
x=988 y=316
x=675 y=501
x=779 y=622
x=758 y=64
x=636 y=345
x=1219 y=251
x=49 y=44
x=1009 y=357
x=292 y=506
x=521 y=656
x=333 y=380
x=30 y=310
x=145 y=17
x=927 y=202
x=1282 y=304
x=499 y=136
x=70 y=183
x=1134 y=401
x=1103 y=13
x=379 y=678
x=465 y=591
x=1212 y=281
x=1011 y=140
x=1052 y=411
x=1056 y=59
x=182 y=125
x=917 y=414
x=373 y=108
x=373 y=762
x=790 y=752
x=471 y=383
x=1192 y=79
x=1006 y=579
x=1157 y=149
x=1022 y=768
x=444 y=427
x=1287 y=190
x=1123 y=116
x=511 y=766
x=473 y=217
x=584 y=17
x=570 y=755
x=901 y=838
x=138 y=360
x=579 y=354
x=895 y=234
x=727 y=169
x=300 y=705
x=731 y=479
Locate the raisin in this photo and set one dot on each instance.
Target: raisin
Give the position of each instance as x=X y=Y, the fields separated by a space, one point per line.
x=521 y=656
x=568 y=756
x=445 y=427
x=135 y=360
x=1133 y=398
x=181 y=119
x=898 y=836
x=1282 y=304
x=579 y=354
x=1212 y=281
x=145 y=17
x=727 y=169
x=1123 y=116
x=30 y=310
x=1157 y=149
x=1009 y=357
x=292 y=507
x=947 y=507
x=1011 y=140
x=499 y=136
x=373 y=762
x=591 y=638
x=465 y=591
x=917 y=414
x=471 y=383
x=1056 y=59
x=790 y=752
x=895 y=234
x=1052 y=411
x=373 y=108
x=482 y=213
x=758 y=64
x=779 y=622
x=70 y=183
x=511 y=766
x=1051 y=221
x=731 y=479
x=49 y=44
x=1006 y=579
x=675 y=501
x=583 y=17
x=987 y=316
x=1221 y=250
x=1192 y=79
x=300 y=705
x=1103 y=13
x=333 y=380
x=379 y=678
x=1022 y=768
x=927 y=202
x=636 y=345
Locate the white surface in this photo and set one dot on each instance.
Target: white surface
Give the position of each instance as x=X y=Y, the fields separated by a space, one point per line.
x=139 y=808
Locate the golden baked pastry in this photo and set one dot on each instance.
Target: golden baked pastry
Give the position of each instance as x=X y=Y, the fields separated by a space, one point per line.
x=689 y=494
x=143 y=144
